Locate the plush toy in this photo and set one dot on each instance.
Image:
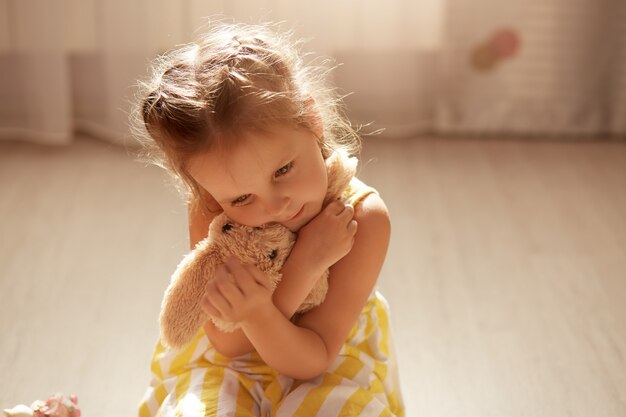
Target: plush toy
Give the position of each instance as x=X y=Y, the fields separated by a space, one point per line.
x=267 y=247
x=55 y=406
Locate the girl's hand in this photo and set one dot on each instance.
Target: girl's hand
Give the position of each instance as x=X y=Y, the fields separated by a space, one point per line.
x=236 y=292
x=329 y=236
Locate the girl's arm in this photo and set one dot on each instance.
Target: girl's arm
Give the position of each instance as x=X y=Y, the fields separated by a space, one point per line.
x=305 y=350
x=299 y=276
x=300 y=273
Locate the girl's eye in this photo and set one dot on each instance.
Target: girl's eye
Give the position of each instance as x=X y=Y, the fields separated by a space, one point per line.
x=282 y=171
x=240 y=200
x=279 y=173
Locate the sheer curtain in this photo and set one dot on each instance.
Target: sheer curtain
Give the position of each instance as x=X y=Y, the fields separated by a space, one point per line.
x=567 y=76
x=442 y=66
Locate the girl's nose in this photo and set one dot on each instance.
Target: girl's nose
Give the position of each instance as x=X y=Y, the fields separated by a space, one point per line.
x=277 y=206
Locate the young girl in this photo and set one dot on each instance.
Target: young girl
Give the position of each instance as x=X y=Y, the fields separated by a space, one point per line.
x=247 y=128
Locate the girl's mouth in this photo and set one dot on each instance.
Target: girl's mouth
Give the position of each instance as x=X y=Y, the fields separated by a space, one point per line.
x=295 y=216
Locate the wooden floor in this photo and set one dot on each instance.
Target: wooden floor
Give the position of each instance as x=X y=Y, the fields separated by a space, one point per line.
x=506 y=273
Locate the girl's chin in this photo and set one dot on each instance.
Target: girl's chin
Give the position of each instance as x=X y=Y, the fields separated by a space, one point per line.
x=296 y=224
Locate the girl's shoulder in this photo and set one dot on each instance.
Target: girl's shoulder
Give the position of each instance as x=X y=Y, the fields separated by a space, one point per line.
x=367 y=202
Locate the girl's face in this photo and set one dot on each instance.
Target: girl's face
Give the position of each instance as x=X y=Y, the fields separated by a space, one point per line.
x=274 y=177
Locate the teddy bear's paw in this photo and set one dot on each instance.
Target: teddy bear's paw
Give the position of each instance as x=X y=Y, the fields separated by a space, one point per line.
x=225 y=326
x=317 y=294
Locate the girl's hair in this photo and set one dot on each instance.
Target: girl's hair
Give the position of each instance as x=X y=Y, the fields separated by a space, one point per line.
x=234 y=79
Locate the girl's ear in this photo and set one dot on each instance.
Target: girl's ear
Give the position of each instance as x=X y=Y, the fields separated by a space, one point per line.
x=313 y=118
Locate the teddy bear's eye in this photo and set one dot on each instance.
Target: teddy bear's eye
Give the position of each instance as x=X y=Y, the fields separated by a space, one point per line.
x=273 y=254
x=226 y=228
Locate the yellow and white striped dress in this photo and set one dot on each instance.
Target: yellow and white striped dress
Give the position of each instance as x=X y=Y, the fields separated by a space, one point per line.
x=198 y=381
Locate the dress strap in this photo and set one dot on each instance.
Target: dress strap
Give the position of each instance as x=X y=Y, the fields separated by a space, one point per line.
x=356 y=192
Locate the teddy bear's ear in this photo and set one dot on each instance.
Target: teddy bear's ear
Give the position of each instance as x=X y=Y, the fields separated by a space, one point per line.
x=226 y=227
x=340 y=168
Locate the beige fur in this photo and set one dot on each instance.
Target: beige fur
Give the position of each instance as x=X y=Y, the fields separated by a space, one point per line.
x=267 y=247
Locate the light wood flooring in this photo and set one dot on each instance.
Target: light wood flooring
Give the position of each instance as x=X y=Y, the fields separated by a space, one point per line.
x=506 y=273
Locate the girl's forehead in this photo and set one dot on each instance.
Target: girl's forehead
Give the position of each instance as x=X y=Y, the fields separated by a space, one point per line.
x=247 y=161
x=256 y=149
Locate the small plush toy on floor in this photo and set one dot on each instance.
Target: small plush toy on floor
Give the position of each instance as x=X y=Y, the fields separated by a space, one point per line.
x=55 y=406
x=267 y=247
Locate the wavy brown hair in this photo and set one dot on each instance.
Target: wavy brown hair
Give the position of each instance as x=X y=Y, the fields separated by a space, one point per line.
x=234 y=79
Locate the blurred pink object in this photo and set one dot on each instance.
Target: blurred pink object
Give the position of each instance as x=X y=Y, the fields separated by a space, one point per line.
x=55 y=406
x=505 y=43
x=502 y=45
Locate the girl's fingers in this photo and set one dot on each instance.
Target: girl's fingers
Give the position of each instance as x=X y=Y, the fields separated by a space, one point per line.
x=335 y=207
x=348 y=211
x=248 y=276
x=234 y=267
x=259 y=277
x=222 y=273
x=244 y=279
x=247 y=282
x=217 y=299
x=209 y=309
x=218 y=292
x=230 y=291
x=228 y=272
x=352 y=226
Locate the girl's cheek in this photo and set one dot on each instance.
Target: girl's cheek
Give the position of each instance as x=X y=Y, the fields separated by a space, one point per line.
x=244 y=216
x=233 y=214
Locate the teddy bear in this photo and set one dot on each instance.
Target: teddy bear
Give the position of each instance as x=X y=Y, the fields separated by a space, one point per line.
x=267 y=247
